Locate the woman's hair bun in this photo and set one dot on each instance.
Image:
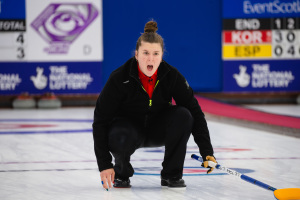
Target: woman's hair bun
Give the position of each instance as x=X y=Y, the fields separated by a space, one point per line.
x=150 y=27
x=150 y=35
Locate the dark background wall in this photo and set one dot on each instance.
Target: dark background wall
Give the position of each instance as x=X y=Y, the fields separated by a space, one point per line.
x=191 y=30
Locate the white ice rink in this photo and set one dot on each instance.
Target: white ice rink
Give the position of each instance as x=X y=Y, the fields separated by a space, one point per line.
x=48 y=155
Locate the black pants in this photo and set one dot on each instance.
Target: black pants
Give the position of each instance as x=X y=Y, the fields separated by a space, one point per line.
x=171 y=129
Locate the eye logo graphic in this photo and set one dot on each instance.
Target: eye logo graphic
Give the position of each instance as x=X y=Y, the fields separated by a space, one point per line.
x=61 y=24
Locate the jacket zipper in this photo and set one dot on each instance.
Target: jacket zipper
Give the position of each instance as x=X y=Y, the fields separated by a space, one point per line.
x=150 y=100
x=150 y=103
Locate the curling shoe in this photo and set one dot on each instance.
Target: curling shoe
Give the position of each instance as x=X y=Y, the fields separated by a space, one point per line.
x=119 y=183
x=173 y=182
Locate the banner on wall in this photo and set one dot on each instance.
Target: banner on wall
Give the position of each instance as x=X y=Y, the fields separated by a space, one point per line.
x=261 y=45
x=50 y=46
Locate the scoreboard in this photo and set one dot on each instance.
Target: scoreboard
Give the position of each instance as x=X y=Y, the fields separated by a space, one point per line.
x=275 y=38
x=50 y=46
x=12 y=30
x=261 y=46
x=13 y=45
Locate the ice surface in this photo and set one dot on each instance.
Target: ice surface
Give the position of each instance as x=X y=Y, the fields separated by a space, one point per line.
x=48 y=154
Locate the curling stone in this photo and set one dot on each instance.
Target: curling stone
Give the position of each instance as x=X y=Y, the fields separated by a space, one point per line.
x=24 y=101
x=49 y=100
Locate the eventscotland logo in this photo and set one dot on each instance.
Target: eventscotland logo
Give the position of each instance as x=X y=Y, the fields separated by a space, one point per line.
x=271 y=7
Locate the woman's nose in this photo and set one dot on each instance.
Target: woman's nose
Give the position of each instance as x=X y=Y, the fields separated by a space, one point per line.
x=150 y=57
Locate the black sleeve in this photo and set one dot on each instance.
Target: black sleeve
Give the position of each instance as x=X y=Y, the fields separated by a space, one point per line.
x=183 y=95
x=106 y=108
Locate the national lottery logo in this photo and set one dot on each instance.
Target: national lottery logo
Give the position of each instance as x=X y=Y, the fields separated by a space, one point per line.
x=243 y=78
x=61 y=24
x=263 y=77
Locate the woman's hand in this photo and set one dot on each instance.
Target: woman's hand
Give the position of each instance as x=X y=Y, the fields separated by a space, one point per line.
x=205 y=163
x=107 y=177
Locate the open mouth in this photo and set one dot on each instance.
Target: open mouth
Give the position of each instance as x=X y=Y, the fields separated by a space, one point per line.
x=149 y=67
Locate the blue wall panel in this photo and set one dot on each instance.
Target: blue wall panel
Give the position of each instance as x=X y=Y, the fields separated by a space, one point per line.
x=191 y=30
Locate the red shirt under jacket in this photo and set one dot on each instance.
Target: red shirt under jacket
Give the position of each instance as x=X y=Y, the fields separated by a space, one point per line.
x=148 y=82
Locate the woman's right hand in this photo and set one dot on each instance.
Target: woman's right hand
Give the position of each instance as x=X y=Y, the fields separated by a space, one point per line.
x=107 y=178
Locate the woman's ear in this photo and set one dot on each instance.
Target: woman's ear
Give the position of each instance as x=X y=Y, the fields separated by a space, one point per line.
x=136 y=54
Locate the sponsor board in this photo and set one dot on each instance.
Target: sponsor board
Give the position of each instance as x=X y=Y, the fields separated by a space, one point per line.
x=261 y=46
x=64 y=31
x=261 y=75
x=41 y=77
x=50 y=46
x=9 y=81
x=261 y=8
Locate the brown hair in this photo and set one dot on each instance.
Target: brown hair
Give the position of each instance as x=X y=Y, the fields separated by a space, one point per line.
x=150 y=35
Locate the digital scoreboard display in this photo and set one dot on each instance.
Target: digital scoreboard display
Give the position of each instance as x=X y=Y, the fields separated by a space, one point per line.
x=12 y=30
x=277 y=38
x=261 y=46
x=50 y=46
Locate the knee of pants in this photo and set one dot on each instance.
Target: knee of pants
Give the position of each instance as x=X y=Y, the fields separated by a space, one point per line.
x=184 y=117
x=122 y=138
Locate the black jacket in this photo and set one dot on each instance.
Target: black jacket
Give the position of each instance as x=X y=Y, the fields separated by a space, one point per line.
x=124 y=96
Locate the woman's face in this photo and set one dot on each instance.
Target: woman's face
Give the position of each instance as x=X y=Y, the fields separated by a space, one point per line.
x=149 y=57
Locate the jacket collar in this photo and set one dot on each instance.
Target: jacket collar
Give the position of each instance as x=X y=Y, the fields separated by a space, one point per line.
x=163 y=69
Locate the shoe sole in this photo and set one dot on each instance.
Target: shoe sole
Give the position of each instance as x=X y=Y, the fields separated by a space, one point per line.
x=165 y=184
x=122 y=186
